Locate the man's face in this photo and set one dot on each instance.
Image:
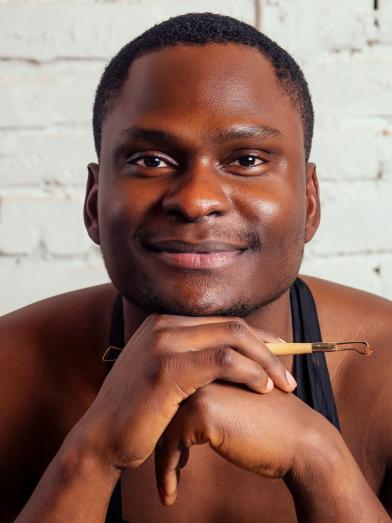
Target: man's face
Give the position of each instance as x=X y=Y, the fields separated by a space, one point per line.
x=203 y=193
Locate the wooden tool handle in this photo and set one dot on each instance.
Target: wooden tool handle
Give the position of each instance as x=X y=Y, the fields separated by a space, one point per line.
x=281 y=349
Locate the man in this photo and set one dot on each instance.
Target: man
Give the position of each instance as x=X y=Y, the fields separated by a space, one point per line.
x=202 y=202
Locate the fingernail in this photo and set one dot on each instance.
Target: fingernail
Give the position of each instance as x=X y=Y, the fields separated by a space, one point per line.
x=269 y=385
x=291 y=381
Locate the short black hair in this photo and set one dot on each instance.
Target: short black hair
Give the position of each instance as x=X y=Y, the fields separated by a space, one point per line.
x=200 y=29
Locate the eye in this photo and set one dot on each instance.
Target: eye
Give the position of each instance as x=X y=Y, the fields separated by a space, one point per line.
x=148 y=161
x=248 y=161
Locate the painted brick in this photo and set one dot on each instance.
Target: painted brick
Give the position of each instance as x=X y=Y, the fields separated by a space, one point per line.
x=372 y=273
x=310 y=30
x=51 y=156
x=355 y=218
x=48 y=31
x=53 y=222
x=384 y=23
x=386 y=273
x=350 y=88
x=52 y=94
x=353 y=148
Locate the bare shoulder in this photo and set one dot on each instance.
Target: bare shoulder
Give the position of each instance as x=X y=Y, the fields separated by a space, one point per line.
x=50 y=371
x=70 y=312
x=348 y=313
x=362 y=385
x=60 y=332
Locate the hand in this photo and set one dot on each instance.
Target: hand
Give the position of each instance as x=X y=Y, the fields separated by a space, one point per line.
x=263 y=434
x=167 y=360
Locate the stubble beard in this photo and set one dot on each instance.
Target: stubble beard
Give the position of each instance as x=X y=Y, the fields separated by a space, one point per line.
x=152 y=302
x=146 y=297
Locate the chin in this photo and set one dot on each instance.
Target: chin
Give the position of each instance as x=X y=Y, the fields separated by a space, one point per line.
x=202 y=305
x=201 y=296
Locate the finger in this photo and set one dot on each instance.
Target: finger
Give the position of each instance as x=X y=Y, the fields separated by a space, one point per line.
x=189 y=321
x=282 y=378
x=239 y=336
x=266 y=336
x=187 y=428
x=167 y=469
x=199 y=368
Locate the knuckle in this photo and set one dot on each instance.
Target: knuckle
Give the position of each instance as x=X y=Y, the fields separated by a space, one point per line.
x=159 y=343
x=236 y=328
x=159 y=321
x=223 y=357
x=258 y=373
x=161 y=369
x=164 y=335
x=127 y=459
x=198 y=405
x=273 y=363
x=200 y=419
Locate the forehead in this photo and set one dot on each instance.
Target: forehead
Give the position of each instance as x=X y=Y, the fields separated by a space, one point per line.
x=203 y=89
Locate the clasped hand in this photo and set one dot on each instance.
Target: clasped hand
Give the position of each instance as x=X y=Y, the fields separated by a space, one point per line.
x=259 y=433
x=169 y=390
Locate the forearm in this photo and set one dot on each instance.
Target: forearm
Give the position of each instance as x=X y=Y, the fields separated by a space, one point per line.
x=329 y=486
x=75 y=487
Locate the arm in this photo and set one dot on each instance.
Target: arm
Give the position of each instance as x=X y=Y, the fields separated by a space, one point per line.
x=75 y=487
x=276 y=436
x=327 y=484
x=66 y=490
x=165 y=361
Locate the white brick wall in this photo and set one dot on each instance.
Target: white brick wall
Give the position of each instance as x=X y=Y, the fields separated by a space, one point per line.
x=345 y=49
x=52 y=53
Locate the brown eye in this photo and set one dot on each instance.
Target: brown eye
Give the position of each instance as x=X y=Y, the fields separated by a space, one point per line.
x=149 y=161
x=248 y=161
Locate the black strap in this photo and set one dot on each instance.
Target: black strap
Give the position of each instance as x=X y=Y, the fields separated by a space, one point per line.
x=116 y=335
x=116 y=338
x=310 y=370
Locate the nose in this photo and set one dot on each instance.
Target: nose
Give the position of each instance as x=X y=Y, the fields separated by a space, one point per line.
x=196 y=193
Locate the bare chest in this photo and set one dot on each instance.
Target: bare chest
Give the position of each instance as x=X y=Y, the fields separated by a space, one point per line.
x=211 y=490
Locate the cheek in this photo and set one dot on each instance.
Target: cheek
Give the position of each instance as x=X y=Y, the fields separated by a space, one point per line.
x=122 y=208
x=279 y=217
x=276 y=212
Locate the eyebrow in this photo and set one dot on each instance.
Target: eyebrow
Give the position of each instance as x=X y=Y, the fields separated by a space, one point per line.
x=223 y=135
x=236 y=133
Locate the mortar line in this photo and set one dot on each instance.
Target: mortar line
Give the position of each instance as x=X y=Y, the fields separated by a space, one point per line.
x=257 y=4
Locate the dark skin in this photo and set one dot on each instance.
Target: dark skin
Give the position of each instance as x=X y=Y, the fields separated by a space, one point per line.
x=193 y=184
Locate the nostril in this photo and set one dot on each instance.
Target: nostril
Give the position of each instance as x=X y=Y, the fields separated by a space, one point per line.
x=195 y=201
x=190 y=215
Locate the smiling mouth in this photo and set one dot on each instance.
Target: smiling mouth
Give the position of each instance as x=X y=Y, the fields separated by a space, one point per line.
x=193 y=260
x=204 y=255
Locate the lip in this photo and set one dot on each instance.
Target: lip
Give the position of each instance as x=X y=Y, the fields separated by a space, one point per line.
x=193 y=260
x=204 y=255
x=181 y=246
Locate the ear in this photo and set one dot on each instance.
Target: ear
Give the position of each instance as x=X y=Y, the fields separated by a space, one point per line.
x=312 y=202
x=90 y=211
